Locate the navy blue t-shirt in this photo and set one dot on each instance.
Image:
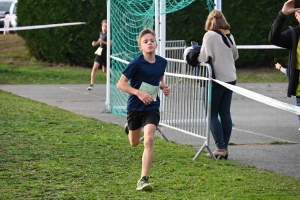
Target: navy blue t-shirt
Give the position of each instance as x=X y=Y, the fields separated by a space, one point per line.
x=139 y=70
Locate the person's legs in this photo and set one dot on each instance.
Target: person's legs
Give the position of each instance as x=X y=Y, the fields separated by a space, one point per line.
x=103 y=69
x=225 y=115
x=215 y=124
x=149 y=131
x=134 y=137
x=93 y=75
x=135 y=121
x=94 y=72
x=150 y=123
x=134 y=124
x=103 y=63
x=97 y=63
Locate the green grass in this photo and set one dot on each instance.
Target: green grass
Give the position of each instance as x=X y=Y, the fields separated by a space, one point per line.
x=43 y=74
x=38 y=74
x=18 y=67
x=260 y=75
x=50 y=153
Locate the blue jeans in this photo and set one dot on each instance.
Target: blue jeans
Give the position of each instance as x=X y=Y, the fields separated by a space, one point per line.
x=298 y=104
x=220 y=105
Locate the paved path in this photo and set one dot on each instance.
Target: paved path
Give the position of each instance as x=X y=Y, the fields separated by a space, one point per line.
x=256 y=124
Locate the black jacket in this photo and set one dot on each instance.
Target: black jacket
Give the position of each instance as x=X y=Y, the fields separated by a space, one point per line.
x=289 y=40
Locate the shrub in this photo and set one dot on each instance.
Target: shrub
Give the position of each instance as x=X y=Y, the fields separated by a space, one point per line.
x=250 y=24
x=68 y=44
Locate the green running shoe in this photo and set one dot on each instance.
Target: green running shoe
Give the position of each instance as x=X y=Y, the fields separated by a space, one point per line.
x=144 y=185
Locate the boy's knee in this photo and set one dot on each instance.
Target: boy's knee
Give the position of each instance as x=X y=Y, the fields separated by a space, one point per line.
x=95 y=68
x=149 y=141
x=134 y=143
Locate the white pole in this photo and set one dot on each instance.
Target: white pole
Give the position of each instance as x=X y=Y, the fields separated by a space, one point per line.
x=157 y=30
x=218 y=5
x=162 y=40
x=162 y=44
x=107 y=102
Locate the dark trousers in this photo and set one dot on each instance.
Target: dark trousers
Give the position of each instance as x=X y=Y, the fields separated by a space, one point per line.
x=220 y=106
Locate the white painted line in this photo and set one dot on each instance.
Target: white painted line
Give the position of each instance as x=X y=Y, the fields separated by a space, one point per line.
x=64 y=88
x=264 y=135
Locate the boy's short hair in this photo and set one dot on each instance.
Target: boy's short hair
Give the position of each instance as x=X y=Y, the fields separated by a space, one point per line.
x=104 y=21
x=144 y=32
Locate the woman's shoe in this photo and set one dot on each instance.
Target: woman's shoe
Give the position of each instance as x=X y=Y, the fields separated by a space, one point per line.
x=219 y=154
x=226 y=156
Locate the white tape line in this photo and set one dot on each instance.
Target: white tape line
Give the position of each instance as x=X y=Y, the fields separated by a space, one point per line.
x=258 y=47
x=261 y=98
x=41 y=26
x=186 y=76
x=175 y=48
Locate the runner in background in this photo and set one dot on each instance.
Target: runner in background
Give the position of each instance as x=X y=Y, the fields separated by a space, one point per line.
x=100 y=59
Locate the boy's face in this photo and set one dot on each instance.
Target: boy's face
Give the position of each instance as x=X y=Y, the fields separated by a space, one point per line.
x=148 y=43
x=104 y=27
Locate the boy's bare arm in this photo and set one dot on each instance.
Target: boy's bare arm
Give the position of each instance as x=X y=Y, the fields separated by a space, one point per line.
x=125 y=87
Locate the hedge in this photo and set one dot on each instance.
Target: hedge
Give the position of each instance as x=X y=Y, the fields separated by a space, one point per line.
x=69 y=44
x=250 y=24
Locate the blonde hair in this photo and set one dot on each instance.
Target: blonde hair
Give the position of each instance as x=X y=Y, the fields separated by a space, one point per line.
x=144 y=32
x=216 y=20
x=103 y=21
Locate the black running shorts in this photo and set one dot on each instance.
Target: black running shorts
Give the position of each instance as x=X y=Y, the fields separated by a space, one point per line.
x=138 y=119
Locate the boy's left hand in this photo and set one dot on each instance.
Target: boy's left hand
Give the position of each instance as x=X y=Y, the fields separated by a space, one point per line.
x=166 y=90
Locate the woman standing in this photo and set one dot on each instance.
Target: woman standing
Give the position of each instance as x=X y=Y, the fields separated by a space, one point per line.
x=100 y=59
x=219 y=48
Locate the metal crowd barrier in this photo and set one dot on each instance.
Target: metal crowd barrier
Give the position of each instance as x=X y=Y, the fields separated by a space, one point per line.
x=175 y=49
x=187 y=108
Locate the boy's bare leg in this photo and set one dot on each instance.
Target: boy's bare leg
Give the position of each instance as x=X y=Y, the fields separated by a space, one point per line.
x=103 y=69
x=94 y=72
x=134 y=137
x=149 y=131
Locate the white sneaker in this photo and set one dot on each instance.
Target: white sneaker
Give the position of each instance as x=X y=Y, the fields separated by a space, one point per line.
x=90 y=87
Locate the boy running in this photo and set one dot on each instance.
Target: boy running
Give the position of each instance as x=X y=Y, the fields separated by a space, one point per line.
x=146 y=74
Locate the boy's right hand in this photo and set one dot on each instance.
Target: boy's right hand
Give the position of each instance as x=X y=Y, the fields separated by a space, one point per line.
x=144 y=97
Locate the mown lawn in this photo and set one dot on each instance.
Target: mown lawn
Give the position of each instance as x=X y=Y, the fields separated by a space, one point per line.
x=49 y=153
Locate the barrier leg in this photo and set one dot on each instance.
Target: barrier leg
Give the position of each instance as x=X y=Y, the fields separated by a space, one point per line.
x=205 y=145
